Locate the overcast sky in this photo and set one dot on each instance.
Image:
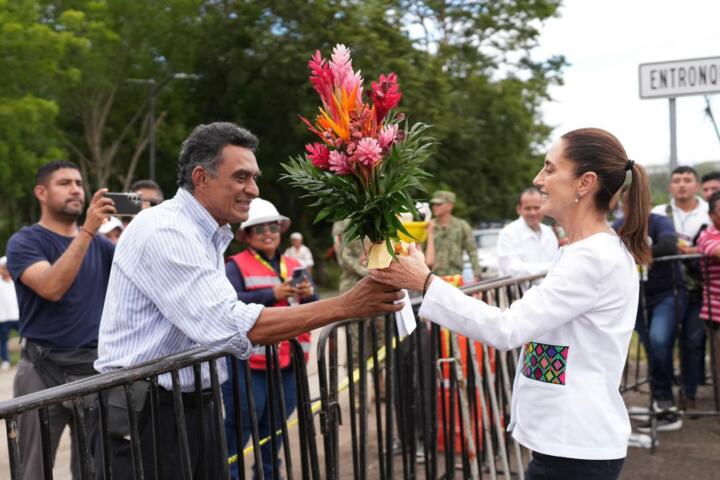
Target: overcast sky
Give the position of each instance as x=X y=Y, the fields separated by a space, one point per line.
x=604 y=42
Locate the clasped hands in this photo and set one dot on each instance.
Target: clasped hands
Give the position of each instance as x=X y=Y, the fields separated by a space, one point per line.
x=285 y=290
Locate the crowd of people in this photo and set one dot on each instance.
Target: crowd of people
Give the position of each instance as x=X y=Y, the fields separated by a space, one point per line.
x=117 y=291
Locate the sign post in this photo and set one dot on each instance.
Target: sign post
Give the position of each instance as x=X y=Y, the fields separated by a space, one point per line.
x=698 y=76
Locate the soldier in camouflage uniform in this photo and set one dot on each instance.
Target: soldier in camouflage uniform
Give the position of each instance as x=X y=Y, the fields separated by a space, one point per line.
x=348 y=257
x=452 y=237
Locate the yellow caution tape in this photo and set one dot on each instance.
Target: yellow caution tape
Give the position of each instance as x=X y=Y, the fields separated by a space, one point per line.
x=344 y=385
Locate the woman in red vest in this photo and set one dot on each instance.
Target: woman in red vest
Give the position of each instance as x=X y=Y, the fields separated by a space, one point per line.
x=261 y=274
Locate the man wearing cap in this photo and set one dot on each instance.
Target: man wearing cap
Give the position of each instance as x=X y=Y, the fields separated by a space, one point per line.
x=349 y=257
x=61 y=273
x=169 y=293
x=112 y=229
x=300 y=252
x=452 y=236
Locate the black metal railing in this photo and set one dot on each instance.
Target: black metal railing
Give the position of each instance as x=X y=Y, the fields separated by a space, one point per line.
x=440 y=404
x=91 y=394
x=636 y=373
x=444 y=407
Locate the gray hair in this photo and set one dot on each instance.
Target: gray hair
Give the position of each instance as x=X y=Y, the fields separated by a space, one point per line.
x=203 y=148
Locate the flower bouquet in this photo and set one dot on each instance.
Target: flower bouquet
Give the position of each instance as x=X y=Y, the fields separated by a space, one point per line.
x=368 y=160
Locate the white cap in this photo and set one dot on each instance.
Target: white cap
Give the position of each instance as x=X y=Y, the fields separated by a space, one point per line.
x=111 y=224
x=262 y=211
x=296 y=235
x=3 y=261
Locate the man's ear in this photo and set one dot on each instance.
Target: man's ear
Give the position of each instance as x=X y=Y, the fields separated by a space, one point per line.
x=40 y=193
x=199 y=177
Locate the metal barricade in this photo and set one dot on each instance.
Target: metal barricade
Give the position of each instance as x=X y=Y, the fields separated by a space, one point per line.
x=445 y=404
x=636 y=373
x=94 y=391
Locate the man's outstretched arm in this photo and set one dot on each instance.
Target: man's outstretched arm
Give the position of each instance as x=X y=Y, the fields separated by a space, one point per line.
x=366 y=298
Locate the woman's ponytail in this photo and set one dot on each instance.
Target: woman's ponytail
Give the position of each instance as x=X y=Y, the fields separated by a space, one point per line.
x=634 y=231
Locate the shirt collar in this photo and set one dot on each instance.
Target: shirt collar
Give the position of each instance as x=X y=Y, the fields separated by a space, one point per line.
x=274 y=258
x=702 y=205
x=221 y=236
x=529 y=232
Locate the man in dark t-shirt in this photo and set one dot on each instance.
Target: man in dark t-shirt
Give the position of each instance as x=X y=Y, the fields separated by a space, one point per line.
x=61 y=274
x=665 y=302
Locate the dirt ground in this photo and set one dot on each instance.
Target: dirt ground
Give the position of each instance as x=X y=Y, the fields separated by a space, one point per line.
x=692 y=453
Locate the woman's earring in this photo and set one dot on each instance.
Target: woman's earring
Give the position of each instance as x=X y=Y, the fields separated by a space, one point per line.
x=577 y=197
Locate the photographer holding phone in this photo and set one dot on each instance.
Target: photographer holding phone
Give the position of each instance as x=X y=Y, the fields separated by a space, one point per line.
x=261 y=274
x=61 y=273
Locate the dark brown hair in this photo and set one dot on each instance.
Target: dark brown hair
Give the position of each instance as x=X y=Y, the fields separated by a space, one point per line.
x=598 y=151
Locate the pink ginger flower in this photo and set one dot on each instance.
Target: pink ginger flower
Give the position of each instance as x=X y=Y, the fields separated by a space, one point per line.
x=319 y=155
x=342 y=71
x=339 y=163
x=387 y=136
x=367 y=152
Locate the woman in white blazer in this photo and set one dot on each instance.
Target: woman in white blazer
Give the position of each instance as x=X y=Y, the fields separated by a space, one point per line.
x=574 y=327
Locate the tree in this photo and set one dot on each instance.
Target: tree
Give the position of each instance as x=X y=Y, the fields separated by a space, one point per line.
x=33 y=65
x=488 y=122
x=104 y=117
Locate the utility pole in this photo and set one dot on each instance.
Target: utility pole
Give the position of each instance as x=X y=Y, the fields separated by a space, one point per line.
x=673 y=135
x=154 y=88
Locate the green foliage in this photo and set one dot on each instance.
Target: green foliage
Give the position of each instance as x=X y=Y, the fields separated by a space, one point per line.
x=371 y=207
x=64 y=66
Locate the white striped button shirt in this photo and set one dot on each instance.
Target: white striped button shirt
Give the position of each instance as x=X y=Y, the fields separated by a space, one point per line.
x=168 y=292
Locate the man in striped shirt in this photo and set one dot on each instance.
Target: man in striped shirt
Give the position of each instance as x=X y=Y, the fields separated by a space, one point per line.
x=709 y=245
x=168 y=291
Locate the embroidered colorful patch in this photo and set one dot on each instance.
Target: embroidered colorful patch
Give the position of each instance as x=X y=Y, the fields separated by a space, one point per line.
x=545 y=363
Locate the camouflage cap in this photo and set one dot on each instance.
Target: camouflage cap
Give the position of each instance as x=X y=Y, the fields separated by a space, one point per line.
x=443 y=196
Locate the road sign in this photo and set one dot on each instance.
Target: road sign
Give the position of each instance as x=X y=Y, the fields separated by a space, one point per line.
x=698 y=76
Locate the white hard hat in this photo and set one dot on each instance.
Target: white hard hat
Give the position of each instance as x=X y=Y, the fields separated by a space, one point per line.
x=262 y=211
x=111 y=224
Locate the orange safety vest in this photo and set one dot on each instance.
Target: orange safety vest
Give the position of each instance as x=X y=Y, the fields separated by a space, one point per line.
x=258 y=274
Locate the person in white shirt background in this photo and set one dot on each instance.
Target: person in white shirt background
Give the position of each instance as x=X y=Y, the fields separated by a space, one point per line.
x=9 y=314
x=576 y=325
x=526 y=246
x=689 y=214
x=300 y=252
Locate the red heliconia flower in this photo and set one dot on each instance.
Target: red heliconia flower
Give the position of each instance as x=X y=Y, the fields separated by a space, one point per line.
x=319 y=155
x=385 y=95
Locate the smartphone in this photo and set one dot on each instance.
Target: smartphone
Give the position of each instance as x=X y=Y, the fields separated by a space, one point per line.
x=299 y=275
x=126 y=203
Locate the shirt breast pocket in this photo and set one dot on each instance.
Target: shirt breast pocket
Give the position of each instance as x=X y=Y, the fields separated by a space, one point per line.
x=545 y=363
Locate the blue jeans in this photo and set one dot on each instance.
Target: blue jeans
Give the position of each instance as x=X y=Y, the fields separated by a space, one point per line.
x=692 y=349
x=659 y=339
x=547 y=467
x=5 y=328
x=262 y=414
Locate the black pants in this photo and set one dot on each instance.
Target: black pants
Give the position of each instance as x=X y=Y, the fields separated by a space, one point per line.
x=546 y=467
x=169 y=451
